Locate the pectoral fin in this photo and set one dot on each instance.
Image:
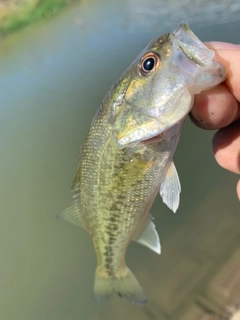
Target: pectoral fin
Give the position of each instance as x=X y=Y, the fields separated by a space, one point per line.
x=149 y=237
x=170 y=188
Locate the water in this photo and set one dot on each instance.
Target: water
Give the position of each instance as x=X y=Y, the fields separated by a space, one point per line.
x=53 y=76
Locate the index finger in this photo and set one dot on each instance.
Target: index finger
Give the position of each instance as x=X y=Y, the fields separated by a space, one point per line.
x=218 y=107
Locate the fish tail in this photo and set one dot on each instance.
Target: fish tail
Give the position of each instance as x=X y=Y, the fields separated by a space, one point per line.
x=125 y=285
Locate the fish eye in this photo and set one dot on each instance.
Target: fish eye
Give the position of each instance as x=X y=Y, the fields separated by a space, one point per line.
x=148 y=63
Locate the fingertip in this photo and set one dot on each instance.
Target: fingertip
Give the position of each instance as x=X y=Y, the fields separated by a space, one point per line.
x=218 y=45
x=229 y=55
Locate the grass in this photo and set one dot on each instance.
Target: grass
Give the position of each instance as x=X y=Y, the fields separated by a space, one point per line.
x=16 y=15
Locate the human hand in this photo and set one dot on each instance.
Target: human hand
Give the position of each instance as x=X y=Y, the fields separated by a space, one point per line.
x=219 y=108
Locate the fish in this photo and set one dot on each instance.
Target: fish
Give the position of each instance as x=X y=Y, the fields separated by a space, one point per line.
x=127 y=155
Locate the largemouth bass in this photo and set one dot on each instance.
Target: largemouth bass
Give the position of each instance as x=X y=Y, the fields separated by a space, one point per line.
x=126 y=158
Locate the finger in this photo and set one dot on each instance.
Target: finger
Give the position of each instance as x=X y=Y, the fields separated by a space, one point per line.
x=206 y=113
x=229 y=55
x=215 y=108
x=226 y=147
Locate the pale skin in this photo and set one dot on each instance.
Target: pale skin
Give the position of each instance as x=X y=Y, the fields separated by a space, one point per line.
x=219 y=108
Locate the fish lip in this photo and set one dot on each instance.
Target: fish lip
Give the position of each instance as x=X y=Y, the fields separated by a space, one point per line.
x=163 y=134
x=155 y=139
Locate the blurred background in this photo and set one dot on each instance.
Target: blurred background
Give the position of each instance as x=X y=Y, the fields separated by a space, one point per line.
x=54 y=73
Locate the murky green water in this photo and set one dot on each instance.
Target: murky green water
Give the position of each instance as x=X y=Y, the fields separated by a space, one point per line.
x=53 y=77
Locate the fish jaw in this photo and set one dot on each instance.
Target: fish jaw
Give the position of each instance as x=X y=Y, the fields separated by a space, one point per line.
x=141 y=127
x=154 y=103
x=196 y=60
x=138 y=127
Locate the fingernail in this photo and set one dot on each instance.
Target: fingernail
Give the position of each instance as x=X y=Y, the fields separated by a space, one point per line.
x=197 y=120
x=238 y=189
x=194 y=115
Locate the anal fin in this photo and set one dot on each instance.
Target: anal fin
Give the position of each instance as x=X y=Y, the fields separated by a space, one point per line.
x=149 y=236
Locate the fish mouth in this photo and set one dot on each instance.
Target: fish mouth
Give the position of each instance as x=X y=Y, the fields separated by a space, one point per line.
x=135 y=129
x=153 y=140
x=148 y=141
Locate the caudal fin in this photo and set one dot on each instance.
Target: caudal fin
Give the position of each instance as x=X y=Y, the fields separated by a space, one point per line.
x=126 y=286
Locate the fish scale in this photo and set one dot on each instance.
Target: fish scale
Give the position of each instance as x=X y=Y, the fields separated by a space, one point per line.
x=115 y=174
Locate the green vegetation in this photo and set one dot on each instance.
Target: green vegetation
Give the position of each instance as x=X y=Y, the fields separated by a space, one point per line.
x=19 y=14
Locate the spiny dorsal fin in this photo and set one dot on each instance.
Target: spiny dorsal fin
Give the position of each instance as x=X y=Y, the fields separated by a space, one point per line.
x=149 y=236
x=170 y=188
x=72 y=214
x=76 y=179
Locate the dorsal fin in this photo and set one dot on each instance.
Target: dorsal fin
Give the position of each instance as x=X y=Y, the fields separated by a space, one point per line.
x=76 y=179
x=72 y=214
